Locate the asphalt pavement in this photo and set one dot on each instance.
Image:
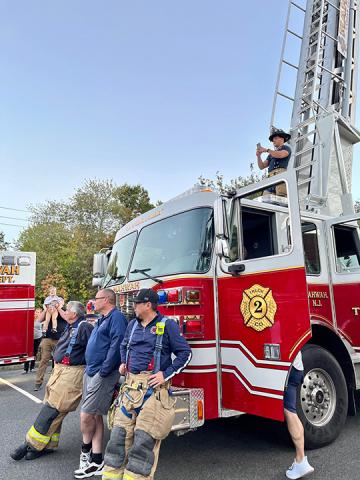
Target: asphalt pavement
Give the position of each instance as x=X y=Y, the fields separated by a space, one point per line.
x=247 y=448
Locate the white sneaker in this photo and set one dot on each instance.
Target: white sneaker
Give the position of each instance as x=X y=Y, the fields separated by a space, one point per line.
x=299 y=470
x=89 y=470
x=84 y=459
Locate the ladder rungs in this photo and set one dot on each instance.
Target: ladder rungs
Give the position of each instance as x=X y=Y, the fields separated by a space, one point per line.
x=305 y=123
x=304 y=182
x=298 y=6
x=290 y=64
x=308 y=149
x=295 y=34
x=305 y=135
x=307 y=164
x=285 y=96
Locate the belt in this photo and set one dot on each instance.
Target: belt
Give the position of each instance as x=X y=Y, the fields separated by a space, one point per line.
x=276 y=171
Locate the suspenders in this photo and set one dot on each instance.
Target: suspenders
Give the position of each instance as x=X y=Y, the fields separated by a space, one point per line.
x=160 y=330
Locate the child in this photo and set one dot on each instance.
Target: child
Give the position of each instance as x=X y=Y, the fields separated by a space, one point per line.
x=50 y=304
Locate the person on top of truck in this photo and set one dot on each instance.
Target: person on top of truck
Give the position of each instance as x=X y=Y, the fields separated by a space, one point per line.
x=277 y=160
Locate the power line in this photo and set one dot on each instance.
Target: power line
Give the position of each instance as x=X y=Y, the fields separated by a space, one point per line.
x=16 y=209
x=12 y=225
x=15 y=218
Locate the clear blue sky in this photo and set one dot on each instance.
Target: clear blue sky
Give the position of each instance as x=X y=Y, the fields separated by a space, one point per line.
x=155 y=92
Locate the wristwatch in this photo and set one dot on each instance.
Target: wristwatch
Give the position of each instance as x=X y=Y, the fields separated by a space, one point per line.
x=267 y=150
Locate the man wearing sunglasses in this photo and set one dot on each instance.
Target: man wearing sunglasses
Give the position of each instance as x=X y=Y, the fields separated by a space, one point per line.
x=101 y=376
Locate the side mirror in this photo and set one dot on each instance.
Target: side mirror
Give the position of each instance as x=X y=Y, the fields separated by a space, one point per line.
x=100 y=264
x=219 y=218
x=96 y=282
x=222 y=248
x=221 y=234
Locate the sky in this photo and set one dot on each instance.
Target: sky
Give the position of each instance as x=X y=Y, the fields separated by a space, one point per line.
x=155 y=92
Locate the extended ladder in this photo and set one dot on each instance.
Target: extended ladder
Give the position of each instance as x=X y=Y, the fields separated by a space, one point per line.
x=324 y=103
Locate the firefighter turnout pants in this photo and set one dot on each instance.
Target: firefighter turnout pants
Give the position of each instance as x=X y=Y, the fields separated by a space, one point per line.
x=47 y=348
x=280 y=189
x=143 y=418
x=63 y=395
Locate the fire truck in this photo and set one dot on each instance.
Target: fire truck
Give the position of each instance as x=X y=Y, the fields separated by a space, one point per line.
x=17 y=302
x=253 y=278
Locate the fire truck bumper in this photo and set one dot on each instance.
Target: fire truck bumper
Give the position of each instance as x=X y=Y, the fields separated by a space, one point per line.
x=189 y=409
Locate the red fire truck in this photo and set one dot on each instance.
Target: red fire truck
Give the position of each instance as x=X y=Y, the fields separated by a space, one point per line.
x=17 y=302
x=253 y=278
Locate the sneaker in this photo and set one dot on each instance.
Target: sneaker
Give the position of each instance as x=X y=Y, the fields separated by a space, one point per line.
x=299 y=470
x=84 y=459
x=54 y=330
x=25 y=372
x=89 y=470
x=37 y=387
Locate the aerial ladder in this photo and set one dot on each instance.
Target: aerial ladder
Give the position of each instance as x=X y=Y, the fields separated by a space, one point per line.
x=322 y=128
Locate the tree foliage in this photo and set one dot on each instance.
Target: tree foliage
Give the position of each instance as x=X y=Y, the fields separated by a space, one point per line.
x=66 y=234
x=219 y=183
x=3 y=244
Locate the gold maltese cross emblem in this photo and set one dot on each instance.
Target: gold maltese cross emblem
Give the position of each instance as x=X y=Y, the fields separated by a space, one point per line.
x=258 y=308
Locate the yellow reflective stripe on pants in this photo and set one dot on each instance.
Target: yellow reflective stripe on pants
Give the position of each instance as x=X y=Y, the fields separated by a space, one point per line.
x=127 y=477
x=55 y=437
x=111 y=475
x=35 y=435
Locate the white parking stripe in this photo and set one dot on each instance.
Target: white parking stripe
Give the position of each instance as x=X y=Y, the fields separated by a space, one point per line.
x=27 y=394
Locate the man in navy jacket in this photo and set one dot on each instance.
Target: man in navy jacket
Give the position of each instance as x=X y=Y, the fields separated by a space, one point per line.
x=152 y=352
x=101 y=375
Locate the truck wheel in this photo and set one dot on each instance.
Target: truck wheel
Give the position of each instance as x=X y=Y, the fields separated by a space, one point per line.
x=322 y=402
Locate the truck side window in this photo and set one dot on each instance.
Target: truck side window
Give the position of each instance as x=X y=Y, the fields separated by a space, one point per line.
x=347 y=244
x=311 y=248
x=257 y=232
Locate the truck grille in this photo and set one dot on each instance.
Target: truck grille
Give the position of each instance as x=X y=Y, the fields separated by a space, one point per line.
x=125 y=306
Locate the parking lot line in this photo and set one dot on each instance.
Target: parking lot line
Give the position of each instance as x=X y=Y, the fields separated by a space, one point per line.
x=27 y=394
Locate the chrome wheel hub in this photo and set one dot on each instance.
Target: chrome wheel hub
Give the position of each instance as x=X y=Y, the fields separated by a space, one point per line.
x=318 y=397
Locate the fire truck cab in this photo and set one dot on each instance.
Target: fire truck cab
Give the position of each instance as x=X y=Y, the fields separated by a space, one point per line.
x=250 y=280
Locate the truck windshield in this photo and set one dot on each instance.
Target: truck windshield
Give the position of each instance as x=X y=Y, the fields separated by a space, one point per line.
x=119 y=260
x=182 y=243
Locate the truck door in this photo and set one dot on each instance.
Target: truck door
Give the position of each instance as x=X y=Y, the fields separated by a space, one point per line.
x=344 y=256
x=262 y=296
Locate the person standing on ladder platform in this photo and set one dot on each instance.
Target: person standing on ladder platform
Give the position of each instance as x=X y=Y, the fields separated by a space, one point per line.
x=145 y=409
x=277 y=159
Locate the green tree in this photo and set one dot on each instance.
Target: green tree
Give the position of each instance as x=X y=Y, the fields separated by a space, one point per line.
x=3 y=244
x=66 y=234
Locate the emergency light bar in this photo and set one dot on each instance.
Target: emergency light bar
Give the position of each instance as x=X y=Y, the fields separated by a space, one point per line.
x=179 y=296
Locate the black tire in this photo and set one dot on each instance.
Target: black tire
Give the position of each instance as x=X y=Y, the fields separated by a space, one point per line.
x=322 y=400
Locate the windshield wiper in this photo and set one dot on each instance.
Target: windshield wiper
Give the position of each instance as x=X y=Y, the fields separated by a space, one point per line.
x=120 y=277
x=144 y=272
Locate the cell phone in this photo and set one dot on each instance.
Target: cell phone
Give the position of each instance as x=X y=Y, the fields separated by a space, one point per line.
x=258 y=145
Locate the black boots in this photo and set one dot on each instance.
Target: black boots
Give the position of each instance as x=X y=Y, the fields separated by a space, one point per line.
x=29 y=453
x=19 y=452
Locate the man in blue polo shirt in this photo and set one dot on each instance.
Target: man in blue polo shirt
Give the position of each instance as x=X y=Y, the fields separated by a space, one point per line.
x=101 y=376
x=145 y=413
x=277 y=160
